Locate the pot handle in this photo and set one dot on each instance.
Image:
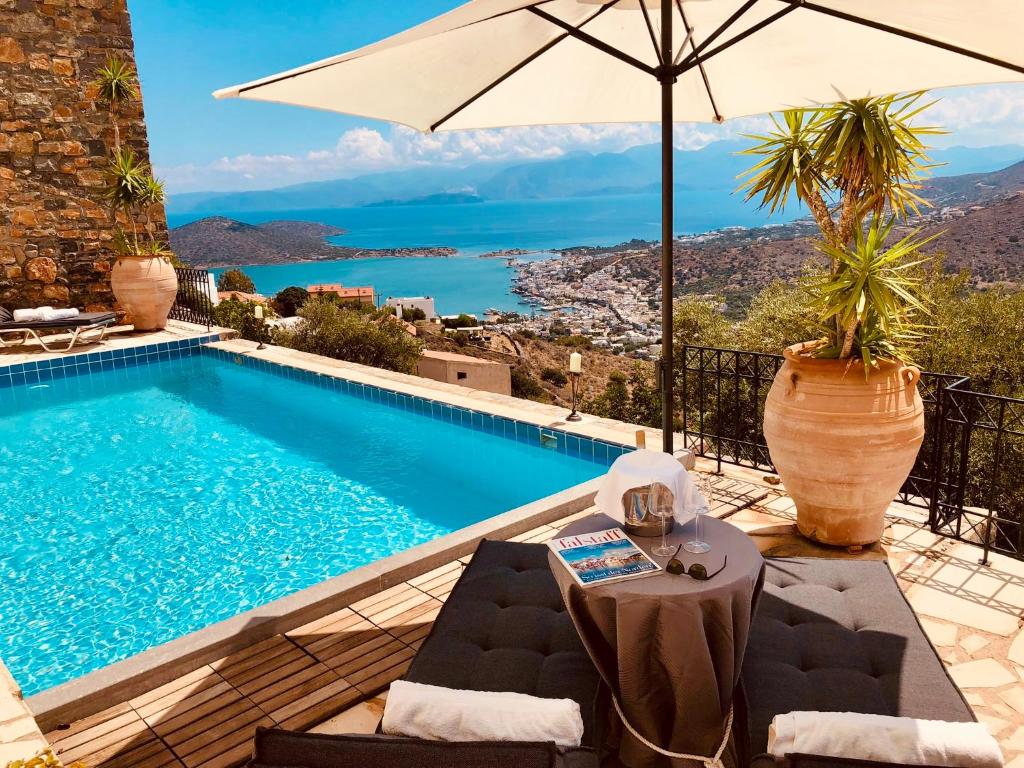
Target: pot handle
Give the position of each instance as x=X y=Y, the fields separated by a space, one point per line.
x=911 y=375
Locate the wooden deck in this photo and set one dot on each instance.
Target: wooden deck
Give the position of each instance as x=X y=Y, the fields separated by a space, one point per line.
x=299 y=680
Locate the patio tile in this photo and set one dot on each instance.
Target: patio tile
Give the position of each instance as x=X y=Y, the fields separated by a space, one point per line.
x=940 y=634
x=1014 y=697
x=1016 y=651
x=945 y=602
x=981 y=673
x=973 y=643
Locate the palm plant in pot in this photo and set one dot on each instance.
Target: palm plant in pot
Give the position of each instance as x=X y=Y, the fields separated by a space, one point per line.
x=143 y=278
x=844 y=420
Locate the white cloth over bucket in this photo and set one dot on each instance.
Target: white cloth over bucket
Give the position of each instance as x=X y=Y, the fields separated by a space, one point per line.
x=639 y=469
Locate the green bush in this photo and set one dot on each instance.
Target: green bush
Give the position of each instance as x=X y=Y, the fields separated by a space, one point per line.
x=241 y=315
x=462 y=321
x=613 y=402
x=779 y=315
x=357 y=336
x=554 y=376
x=235 y=280
x=288 y=302
x=574 y=342
x=524 y=385
x=698 y=322
x=414 y=314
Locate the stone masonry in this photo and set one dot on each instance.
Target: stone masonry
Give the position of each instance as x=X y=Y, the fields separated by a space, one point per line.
x=55 y=139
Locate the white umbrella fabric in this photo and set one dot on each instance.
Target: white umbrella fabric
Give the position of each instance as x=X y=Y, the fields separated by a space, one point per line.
x=499 y=63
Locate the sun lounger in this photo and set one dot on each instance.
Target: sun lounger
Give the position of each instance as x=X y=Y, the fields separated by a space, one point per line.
x=83 y=323
x=503 y=628
x=838 y=636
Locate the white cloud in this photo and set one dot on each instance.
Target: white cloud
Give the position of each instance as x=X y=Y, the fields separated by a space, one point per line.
x=976 y=116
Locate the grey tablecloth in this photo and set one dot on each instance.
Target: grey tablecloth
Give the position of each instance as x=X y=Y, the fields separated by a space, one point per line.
x=670 y=647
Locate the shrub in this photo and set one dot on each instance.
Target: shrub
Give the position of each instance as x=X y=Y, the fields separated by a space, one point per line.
x=554 y=376
x=613 y=402
x=288 y=302
x=241 y=315
x=369 y=338
x=575 y=342
x=524 y=385
x=462 y=321
x=779 y=315
x=698 y=322
x=235 y=280
x=527 y=334
x=413 y=314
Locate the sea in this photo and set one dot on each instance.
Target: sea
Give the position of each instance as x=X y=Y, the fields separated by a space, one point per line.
x=467 y=283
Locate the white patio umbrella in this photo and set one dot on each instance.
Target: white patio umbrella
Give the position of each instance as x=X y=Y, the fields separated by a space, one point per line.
x=498 y=63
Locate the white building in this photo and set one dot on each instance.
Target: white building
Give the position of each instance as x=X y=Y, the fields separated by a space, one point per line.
x=426 y=303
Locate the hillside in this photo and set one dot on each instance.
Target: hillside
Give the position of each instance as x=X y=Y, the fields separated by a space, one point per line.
x=218 y=241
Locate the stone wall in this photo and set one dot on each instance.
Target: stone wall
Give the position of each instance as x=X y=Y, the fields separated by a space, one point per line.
x=55 y=139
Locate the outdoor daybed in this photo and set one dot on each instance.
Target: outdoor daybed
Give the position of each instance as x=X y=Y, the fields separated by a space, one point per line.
x=81 y=324
x=828 y=635
x=839 y=636
x=503 y=628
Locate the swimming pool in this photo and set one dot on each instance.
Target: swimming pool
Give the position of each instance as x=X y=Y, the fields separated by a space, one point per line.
x=148 y=497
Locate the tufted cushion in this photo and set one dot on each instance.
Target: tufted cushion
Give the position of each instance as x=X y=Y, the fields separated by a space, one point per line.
x=6 y=316
x=838 y=635
x=505 y=628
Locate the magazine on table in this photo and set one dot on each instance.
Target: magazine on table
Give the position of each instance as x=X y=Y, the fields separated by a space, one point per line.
x=602 y=557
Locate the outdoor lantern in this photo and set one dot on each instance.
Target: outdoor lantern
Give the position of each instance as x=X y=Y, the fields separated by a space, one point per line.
x=575 y=374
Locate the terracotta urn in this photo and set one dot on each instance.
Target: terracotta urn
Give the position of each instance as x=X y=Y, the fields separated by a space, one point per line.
x=843 y=444
x=146 y=287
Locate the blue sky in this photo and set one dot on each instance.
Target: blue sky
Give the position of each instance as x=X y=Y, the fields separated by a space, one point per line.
x=188 y=48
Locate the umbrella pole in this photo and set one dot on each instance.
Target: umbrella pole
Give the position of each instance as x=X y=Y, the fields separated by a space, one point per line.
x=667 y=188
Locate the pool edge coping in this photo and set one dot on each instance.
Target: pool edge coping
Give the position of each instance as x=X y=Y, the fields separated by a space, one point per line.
x=123 y=680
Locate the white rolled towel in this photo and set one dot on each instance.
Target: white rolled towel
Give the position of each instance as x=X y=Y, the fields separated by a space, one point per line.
x=49 y=313
x=445 y=714
x=884 y=739
x=30 y=315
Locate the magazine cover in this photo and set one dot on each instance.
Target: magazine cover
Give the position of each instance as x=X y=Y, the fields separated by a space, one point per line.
x=602 y=557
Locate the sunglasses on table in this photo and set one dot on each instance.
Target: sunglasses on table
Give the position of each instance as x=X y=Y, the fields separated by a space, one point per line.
x=695 y=571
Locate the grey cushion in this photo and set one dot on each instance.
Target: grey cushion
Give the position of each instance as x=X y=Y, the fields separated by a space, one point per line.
x=286 y=749
x=5 y=315
x=505 y=628
x=838 y=635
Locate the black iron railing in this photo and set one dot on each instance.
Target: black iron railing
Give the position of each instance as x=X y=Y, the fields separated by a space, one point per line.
x=969 y=473
x=193 y=303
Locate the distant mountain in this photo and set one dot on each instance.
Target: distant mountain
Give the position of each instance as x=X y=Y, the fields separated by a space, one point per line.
x=975 y=187
x=442 y=198
x=713 y=169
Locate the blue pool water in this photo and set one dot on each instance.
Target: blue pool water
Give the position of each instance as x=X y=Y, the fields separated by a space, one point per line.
x=146 y=502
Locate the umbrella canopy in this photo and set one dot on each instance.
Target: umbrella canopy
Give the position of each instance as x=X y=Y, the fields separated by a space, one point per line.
x=495 y=63
x=499 y=63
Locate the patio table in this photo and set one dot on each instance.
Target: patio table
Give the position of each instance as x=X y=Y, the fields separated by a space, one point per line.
x=670 y=647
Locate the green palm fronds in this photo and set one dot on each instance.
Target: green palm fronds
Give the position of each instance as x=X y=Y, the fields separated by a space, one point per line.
x=874 y=296
x=116 y=83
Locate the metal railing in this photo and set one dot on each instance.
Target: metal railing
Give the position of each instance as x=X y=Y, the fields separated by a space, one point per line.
x=193 y=303
x=969 y=473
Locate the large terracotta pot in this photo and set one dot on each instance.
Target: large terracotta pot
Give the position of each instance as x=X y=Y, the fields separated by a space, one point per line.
x=842 y=444
x=145 y=286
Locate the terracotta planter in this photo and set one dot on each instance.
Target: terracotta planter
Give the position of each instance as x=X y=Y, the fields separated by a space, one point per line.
x=843 y=445
x=145 y=286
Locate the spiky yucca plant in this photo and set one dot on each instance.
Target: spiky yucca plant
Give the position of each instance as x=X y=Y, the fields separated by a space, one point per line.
x=117 y=85
x=849 y=161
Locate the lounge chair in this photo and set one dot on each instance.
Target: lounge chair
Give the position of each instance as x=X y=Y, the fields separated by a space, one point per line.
x=83 y=323
x=503 y=628
x=838 y=636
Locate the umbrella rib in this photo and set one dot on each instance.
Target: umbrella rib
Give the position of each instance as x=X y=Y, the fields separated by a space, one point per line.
x=662 y=59
x=535 y=55
x=717 y=33
x=594 y=42
x=906 y=33
x=703 y=73
x=686 y=66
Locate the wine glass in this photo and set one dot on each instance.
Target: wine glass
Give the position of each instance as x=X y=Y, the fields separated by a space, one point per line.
x=702 y=505
x=658 y=506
